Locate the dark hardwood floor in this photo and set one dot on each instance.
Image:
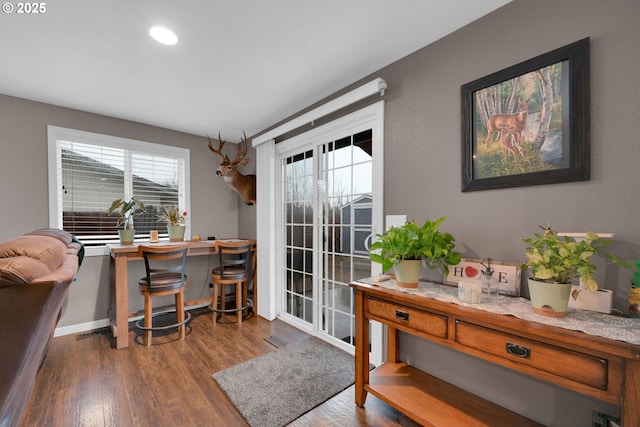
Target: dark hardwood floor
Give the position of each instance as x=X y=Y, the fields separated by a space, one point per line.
x=85 y=382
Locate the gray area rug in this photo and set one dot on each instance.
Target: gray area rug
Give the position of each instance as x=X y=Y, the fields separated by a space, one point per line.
x=275 y=389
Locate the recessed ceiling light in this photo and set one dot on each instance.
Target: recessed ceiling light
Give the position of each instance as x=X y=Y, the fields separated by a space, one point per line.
x=163 y=35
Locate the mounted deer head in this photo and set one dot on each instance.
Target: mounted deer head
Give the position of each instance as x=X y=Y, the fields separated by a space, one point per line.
x=244 y=185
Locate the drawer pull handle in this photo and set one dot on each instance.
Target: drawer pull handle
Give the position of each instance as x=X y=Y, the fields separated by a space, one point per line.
x=402 y=315
x=519 y=350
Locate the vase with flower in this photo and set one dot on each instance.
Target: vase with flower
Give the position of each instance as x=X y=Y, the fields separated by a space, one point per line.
x=175 y=219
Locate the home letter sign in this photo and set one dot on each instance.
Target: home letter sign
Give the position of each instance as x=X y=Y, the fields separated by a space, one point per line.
x=507 y=274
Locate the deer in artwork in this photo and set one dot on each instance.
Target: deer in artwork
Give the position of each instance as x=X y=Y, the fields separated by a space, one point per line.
x=244 y=185
x=517 y=121
x=507 y=139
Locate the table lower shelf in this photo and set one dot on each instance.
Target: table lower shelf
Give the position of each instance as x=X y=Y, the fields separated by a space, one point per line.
x=434 y=402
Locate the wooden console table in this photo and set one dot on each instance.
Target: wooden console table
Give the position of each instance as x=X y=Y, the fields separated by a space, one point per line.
x=121 y=255
x=598 y=367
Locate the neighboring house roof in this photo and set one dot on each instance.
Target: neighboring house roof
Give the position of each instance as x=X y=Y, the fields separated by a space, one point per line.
x=365 y=198
x=88 y=164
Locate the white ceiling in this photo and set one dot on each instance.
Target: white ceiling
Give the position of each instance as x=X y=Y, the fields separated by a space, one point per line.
x=238 y=65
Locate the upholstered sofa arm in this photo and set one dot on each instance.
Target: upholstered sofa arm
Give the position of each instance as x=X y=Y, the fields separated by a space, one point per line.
x=36 y=270
x=42 y=255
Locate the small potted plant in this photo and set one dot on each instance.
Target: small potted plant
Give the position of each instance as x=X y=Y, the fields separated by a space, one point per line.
x=127 y=211
x=555 y=261
x=175 y=219
x=407 y=247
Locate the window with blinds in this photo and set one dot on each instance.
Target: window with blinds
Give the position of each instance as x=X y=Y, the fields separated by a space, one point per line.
x=89 y=171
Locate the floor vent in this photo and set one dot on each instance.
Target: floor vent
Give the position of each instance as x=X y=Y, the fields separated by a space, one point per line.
x=276 y=341
x=86 y=335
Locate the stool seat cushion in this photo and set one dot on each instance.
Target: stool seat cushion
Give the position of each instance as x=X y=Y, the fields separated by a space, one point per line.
x=230 y=273
x=162 y=281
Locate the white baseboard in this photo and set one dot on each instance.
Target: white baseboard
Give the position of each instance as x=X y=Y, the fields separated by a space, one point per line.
x=81 y=327
x=102 y=323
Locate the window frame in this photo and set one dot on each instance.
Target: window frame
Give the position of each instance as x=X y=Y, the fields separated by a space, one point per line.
x=56 y=133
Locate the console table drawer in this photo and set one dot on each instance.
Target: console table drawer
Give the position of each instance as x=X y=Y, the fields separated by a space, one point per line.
x=417 y=320
x=574 y=366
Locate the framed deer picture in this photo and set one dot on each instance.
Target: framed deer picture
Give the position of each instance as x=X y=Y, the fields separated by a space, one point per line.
x=528 y=124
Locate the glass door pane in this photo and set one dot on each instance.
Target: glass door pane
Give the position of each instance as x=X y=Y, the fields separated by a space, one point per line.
x=298 y=228
x=345 y=171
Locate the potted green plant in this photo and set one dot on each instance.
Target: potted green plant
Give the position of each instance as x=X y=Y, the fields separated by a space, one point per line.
x=409 y=246
x=175 y=219
x=555 y=261
x=127 y=211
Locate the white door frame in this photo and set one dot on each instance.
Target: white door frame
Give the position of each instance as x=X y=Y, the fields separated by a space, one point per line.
x=267 y=171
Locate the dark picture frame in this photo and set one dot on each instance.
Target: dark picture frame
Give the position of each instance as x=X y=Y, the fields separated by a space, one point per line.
x=528 y=124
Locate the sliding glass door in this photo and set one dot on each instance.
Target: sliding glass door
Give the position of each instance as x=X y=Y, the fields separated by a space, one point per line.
x=329 y=208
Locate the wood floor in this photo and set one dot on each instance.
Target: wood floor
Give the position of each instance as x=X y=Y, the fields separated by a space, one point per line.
x=85 y=382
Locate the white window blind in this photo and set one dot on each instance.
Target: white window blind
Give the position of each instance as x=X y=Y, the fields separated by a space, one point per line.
x=89 y=171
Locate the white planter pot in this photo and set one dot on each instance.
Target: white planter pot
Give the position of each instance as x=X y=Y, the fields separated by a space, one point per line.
x=408 y=273
x=549 y=299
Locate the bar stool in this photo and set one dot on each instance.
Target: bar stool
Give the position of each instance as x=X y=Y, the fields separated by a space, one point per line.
x=169 y=279
x=232 y=271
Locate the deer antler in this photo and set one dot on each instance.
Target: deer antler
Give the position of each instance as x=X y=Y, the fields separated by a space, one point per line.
x=220 y=145
x=242 y=151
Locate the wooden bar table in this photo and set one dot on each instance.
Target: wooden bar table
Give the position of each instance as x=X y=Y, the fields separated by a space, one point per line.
x=121 y=255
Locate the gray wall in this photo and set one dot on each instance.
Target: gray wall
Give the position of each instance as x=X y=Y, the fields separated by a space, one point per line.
x=422 y=134
x=422 y=159
x=24 y=190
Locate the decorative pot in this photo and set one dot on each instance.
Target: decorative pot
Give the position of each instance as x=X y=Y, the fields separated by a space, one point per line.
x=408 y=273
x=176 y=232
x=126 y=236
x=549 y=299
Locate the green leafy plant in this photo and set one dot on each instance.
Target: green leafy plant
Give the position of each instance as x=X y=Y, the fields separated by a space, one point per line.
x=412 y=241
x=173 y=216
x=561 y=259
x=127 y=210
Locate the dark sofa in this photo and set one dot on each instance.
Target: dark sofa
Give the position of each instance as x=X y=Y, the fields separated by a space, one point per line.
x=36 y=270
